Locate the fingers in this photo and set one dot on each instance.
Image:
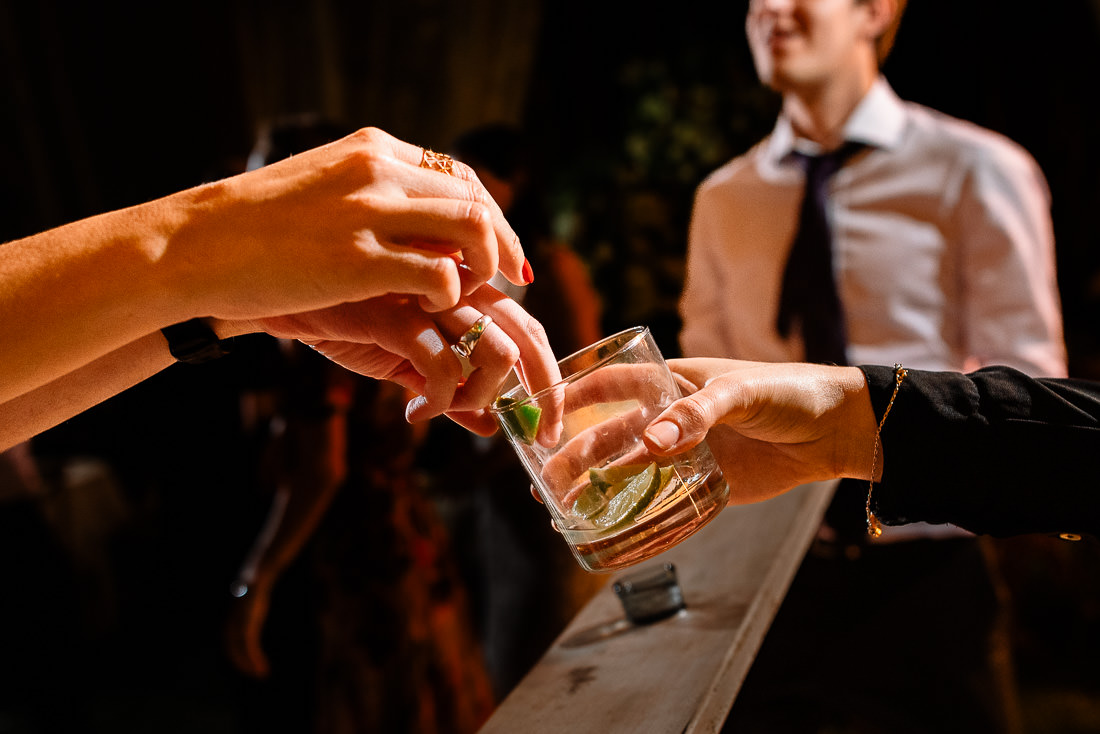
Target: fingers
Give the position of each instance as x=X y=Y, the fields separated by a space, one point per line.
x=479 y=421
x=490 y=362
x=389 y=338
x=454 y=227
x=513 y=340
x=392 y=338
x=435 y=279
x=712 y=388
x=507 y=253
x=592 y=447
x=617 y=382
x=540 y=366
x=430 y=355
x=685 y=423
x=694 y=372
x=537 y=367
x=462 y=185
x=436 y=248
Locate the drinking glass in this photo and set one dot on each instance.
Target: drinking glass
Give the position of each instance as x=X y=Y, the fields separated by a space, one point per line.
x=614 y=502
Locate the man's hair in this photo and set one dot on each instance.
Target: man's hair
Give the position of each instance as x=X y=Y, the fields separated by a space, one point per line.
x=885 y=42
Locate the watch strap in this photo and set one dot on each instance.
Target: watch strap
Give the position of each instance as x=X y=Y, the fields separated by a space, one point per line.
x=194 y=342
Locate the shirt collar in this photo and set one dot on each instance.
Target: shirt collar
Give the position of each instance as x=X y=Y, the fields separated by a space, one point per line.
x=878 y=121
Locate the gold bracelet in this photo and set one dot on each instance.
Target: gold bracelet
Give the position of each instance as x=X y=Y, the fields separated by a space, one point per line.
x=874 y=528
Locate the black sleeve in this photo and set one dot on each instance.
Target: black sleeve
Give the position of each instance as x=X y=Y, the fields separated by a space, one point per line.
x=995 y=452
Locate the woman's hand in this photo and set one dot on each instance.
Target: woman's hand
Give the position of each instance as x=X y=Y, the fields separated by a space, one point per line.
x=392 y=338
x=348 y=221
x=771 y=426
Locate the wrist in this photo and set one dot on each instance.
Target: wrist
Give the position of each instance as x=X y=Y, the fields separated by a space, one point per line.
x=858 y=436
x=190 y=254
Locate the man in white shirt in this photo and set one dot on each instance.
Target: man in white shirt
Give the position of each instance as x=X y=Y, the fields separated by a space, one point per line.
x=943 y=258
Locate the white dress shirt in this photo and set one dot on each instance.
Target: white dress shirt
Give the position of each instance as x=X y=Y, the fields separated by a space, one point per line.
x=943 y=247
x=943 y=250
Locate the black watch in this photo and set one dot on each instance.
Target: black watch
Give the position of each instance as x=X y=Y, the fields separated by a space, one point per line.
x=194 y=342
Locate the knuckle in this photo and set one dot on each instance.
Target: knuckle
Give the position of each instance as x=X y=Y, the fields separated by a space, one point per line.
x=510 y=352
x=486 y=202
x=373 y=166
x=444 y=280
x=445 y=365
x=450 y=367
x=366 y=163
x=371 y=153
x=477 y=213
x=693 y=414
x=478 y=220
x=370 y=135
x=371 y=201
x=536 y=332
x=464 y=172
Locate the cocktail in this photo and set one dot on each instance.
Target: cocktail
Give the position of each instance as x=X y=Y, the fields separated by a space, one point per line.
x=615 y=503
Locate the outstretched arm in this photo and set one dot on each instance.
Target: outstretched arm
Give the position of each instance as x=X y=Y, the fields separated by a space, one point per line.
x=345 y=222
x=993 y=451
x=390 y=338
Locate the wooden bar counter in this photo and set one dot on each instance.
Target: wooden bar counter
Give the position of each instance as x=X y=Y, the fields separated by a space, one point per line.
x=681 y=674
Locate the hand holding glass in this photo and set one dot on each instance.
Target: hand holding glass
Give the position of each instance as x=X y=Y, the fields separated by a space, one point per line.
x=615 y=503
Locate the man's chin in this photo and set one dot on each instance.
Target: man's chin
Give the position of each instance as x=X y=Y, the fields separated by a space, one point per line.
x=783 y=80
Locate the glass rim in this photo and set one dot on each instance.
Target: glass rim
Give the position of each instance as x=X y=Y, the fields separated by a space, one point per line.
x=638 y=332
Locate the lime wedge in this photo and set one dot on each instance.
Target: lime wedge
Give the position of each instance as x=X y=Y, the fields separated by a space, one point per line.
x=666 y=475
x=521 y=421
x=609 y=476
x=589 y=502
x=629 y=498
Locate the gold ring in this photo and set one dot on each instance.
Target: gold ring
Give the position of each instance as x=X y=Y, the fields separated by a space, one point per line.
x=468 y=342
x=437 y=162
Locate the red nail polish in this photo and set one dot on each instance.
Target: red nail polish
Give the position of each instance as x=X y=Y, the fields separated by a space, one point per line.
x=528 y=274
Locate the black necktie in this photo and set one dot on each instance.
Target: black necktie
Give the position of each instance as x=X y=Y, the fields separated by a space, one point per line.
x=809 y=297
x=809 y=294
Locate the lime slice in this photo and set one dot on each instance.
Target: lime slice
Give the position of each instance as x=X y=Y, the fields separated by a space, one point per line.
x=666 y=474
x=662 y=497
x=609 y=476
x=589 y=502
x=630 y=497
x=521 y=421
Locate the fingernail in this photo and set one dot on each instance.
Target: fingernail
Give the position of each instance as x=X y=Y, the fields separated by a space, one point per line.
x=664 y=434
x=528 y=274
x=414 y=408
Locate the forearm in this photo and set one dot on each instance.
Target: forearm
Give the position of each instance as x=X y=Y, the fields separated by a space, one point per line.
x=42 y=408
x=994 y=452
x=76 y=293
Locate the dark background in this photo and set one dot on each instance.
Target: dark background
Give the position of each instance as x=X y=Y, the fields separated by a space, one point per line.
x=114 y=103
x=109 y=104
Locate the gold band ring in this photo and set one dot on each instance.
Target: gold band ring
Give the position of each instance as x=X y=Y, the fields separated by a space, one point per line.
x=437 y=162
x=468 y=342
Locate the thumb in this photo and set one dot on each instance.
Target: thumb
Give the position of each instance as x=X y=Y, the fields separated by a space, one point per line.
x=685 y=423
